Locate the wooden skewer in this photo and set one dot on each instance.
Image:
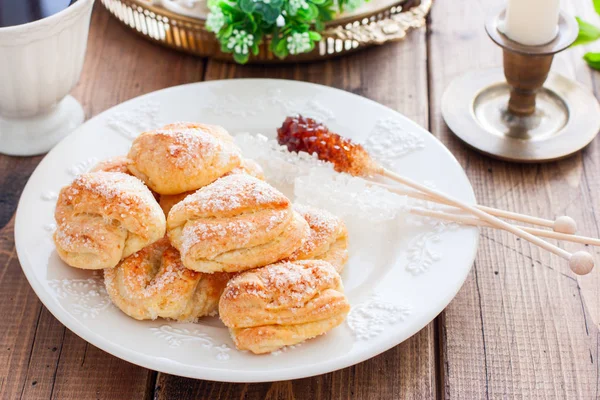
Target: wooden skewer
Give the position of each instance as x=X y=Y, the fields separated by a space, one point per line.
x=467 y=220
x=563 y=224
x=580 y=262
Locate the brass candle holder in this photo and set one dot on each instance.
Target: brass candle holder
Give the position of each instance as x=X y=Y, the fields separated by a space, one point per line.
x=524 y=112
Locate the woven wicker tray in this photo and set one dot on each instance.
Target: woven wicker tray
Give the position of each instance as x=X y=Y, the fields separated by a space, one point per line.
x=379 y=22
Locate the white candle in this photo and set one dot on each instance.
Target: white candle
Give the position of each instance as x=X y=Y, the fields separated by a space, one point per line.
x=531 y=22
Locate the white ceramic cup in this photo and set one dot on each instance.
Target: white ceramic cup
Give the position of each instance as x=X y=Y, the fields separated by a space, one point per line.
x=40 y=62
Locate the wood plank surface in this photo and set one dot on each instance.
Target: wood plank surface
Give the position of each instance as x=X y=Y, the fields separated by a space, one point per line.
x=518 y=328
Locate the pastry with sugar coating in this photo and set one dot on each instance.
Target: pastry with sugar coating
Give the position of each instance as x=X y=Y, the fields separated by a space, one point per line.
x=248 y=166
x=117 y=164
x=328 y=238
x=283 y=304
x=234 y=224
x=154 y=283
x=103 y=217
x=182 y=157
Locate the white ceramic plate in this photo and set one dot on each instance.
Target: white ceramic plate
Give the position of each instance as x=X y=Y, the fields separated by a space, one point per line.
x=397 y=280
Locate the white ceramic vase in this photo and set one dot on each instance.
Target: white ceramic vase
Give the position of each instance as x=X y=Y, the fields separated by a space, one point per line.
x=40 y=62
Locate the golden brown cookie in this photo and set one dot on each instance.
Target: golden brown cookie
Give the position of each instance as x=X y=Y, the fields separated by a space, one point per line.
x=154 y=283
x=167 y=201
x=283 y=304
x=182 y=157
x=234 y=224
x=103 y=217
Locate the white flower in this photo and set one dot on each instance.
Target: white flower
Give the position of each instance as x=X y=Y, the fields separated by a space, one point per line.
x=296 y=5
x=240 y=41
x=215 y=19
x=298 y=43
x=280 y=21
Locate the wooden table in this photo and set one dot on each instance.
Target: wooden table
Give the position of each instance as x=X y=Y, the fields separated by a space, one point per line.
x=517 y=329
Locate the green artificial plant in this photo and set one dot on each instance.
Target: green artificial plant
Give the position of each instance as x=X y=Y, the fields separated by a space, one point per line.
x=292 y=25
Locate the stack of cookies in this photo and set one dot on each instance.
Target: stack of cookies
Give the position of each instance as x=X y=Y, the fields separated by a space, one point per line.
x=185 y=227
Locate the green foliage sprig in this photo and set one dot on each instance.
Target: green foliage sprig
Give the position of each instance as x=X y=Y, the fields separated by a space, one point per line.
x=589 y=33
x=292 y=25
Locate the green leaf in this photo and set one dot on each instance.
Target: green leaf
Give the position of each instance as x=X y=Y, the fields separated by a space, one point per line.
x=313 y=12
x=226 y=32
x=270 y=14
x=280 y=49
x=314 y=36
x=318 y=2
x=248 y=6
x=593 y=60
x=597 y=6
x=241 y=58
x=227 y=8
x=325 y=14
x=224 y=48
x=587 y=32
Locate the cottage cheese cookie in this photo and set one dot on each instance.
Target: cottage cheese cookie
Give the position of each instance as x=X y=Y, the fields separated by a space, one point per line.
x=182 y=157
x=283 y=304
x=234 y=224
x=250 y=167
x=154 y=283
x=103 y=217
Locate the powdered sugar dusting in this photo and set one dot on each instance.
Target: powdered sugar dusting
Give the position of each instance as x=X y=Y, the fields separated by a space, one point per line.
x=324 y=227
x=188 y=145
x=288 y=284
x=233 y=192
x=208 y=232
x=155 y=280
x=111 y=186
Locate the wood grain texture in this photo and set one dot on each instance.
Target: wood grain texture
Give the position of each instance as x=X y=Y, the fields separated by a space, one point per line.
x=587 y=170
x=518 y=328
